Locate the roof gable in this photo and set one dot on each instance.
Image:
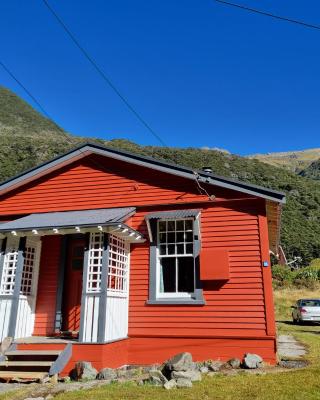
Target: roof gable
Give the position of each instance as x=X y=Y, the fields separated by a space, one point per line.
x=148 y=162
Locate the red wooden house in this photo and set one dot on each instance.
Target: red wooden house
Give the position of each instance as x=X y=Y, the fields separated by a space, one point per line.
x=125 y=259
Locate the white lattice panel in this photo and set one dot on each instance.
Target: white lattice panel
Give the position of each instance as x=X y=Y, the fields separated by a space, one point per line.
x=95 y=262
x=118 y=271
x=9 y=266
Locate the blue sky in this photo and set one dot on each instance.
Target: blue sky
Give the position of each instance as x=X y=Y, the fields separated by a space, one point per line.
x=200 y=73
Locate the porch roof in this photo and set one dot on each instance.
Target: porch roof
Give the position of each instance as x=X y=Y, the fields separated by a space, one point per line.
x=107 y=220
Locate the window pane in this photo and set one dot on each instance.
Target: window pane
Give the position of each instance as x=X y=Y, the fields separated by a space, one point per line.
x=163 y=250
x=189 y=236
x=188 y=224
x=180 y=237
x=162 y=237
x=171 y=249
x=180 y=225
x=162 y=226
x=180 y=248
x=171 y=237
x=189 y=248
x=185 y=274
x=168 y=275
x=171 y=225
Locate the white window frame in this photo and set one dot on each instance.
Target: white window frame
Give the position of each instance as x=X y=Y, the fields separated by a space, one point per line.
x=185 y=295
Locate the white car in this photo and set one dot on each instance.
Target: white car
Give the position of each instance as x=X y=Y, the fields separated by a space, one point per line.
x=306 y=310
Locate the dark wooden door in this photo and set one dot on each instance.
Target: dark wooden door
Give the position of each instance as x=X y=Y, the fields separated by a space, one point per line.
x=73 y=286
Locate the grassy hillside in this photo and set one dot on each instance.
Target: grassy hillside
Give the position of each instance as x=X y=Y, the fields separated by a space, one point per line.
x=294 y=161
x=27 y=139
x=312 y=171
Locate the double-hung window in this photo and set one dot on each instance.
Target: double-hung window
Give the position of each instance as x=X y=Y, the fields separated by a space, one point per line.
x=174 y=257
x=176 y=263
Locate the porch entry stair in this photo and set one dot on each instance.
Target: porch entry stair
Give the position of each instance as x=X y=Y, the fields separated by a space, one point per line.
x=33 y=363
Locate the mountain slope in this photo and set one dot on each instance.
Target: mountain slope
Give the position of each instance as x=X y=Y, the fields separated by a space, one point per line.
x=28 y=139
x=312 y=171
x=294 y=161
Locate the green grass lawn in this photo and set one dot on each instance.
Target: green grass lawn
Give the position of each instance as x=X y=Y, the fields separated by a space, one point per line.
x=298 y=384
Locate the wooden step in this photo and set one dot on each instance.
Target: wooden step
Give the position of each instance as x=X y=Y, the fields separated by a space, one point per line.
x=26 y=363
x=33 y=353
x=22 y=375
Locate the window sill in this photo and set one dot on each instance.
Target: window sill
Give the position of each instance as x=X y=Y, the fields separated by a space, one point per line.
x=176 y=301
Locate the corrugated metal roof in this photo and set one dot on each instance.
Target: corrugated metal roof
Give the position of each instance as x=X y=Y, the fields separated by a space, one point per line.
x=176 y=214
x=66 y=219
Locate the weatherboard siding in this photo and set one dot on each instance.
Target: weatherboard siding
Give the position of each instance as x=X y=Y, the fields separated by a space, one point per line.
x=85 y=185
x=233 y=309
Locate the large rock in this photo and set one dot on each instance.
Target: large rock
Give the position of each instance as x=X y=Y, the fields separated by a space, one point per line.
x=252 y=361
x=151 y=367
x=193 y=376
x=170 y=384
x=85 y=370
x=157 y=378
x=204 y=369
x=184 y=383
x=180 y=362
x=214 y=366
x=107 y=374
x=234 y=362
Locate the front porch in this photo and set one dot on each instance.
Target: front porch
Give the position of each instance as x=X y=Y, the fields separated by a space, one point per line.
x=65 y=275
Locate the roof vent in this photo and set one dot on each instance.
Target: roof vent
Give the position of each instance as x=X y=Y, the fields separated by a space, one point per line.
x=207 y=169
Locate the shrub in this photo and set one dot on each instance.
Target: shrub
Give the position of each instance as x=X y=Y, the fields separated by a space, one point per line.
x=282 y=275
x=308 y=277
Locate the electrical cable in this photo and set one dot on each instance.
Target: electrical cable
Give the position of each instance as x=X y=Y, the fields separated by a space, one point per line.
x=101 y=72
x=256 y=11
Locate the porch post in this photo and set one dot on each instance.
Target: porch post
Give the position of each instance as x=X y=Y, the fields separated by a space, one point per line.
x=84 y=287
x=17 y=287
x=62 y=264
x=103 y=292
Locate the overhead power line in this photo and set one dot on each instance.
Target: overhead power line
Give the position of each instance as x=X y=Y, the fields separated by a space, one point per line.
x=254 y=10
x=25 y=89
x=101 y=72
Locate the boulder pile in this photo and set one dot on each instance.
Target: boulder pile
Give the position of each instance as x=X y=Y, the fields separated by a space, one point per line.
x=180 y=371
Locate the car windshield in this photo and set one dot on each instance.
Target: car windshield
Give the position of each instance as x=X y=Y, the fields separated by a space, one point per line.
x=310 y=303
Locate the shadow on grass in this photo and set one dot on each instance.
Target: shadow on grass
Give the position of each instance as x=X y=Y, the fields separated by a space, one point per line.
x=306 y=327
x=313 y=332
x=306 y=323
